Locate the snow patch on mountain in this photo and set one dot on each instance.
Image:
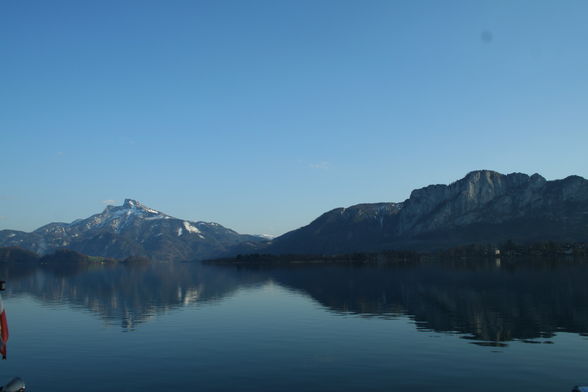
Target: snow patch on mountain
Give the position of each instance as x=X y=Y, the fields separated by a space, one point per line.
x=266 y=236
x=190 y=228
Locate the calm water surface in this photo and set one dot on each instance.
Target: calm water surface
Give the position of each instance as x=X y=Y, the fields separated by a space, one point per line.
x=458 y=326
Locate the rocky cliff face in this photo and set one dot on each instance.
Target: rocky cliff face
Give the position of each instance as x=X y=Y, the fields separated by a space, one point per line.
x=130 y=230
x=483 y=207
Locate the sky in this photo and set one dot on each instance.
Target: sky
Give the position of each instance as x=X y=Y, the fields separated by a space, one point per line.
x=262 y=115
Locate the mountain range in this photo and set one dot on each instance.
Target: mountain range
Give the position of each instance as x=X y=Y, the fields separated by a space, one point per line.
x=131 y=229
x=483 y=207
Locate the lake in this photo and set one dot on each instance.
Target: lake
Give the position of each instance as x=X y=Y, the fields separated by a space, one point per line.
x=449 y=326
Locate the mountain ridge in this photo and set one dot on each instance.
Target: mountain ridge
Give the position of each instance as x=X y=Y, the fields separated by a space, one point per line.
x=131 y=229
x=480 y=207
x=484 y=206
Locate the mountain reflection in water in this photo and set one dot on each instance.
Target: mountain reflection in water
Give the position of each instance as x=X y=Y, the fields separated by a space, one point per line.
x=488 y=303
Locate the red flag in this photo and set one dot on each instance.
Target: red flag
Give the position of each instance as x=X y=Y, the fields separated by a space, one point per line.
x=3 y=329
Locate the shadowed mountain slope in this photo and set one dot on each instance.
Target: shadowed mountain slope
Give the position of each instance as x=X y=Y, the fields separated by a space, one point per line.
x=483 y=207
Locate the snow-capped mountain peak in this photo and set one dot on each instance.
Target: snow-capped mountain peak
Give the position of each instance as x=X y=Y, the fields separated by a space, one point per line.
x=135 y=205
x=130 y=203
x=131 y=229
x=118 y=217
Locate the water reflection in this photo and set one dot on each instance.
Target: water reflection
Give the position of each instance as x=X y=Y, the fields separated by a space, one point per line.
x=483 y=301
x=125 y=294
x=486 y=303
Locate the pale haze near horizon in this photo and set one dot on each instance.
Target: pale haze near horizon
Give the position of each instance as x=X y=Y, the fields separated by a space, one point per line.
x=262 y=115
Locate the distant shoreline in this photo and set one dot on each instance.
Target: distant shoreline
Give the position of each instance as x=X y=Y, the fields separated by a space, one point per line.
x=60 y=256
x=506 y=251
x=509 y=250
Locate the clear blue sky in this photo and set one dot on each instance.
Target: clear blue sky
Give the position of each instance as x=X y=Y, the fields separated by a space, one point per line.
x=261 y=115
